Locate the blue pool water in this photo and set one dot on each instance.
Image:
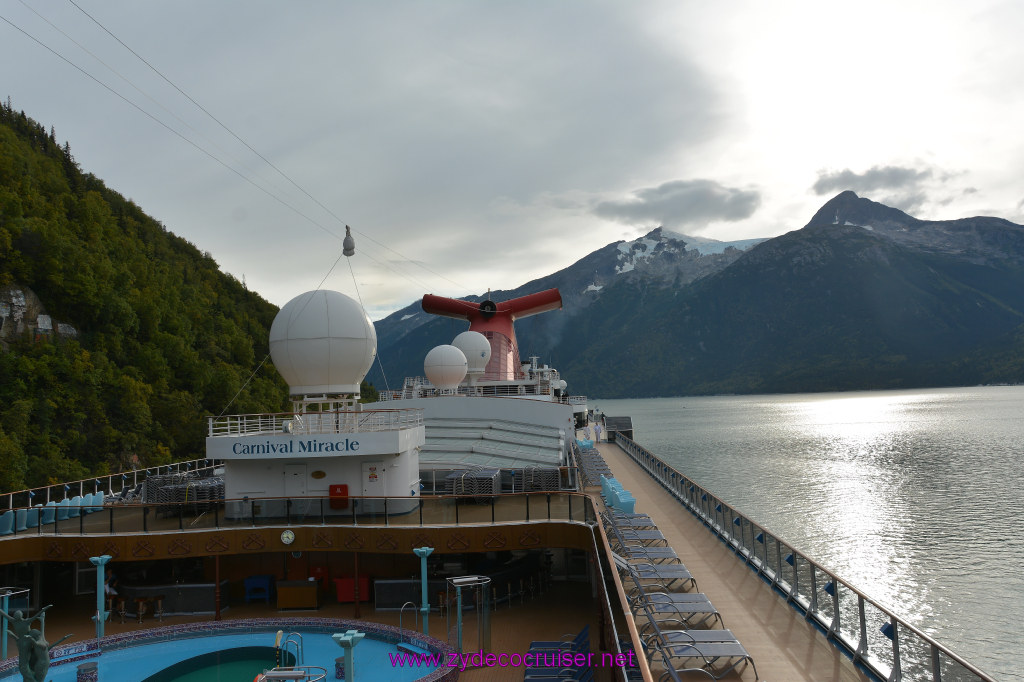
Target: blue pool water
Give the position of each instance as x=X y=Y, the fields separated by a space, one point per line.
x=136 y=661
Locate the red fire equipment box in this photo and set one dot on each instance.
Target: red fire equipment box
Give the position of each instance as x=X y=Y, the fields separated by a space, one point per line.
x=338 y=493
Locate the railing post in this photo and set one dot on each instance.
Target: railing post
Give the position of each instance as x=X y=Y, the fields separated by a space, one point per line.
x=813 y=606
x=794 y=591
x=862 y=640
x=778 y=561
x=836 y=626
x=897 y=673
x=936 y=666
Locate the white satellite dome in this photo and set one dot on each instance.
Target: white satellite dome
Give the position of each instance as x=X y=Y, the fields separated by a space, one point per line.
x=476 y=348
x=445 y=366
x=322 y=342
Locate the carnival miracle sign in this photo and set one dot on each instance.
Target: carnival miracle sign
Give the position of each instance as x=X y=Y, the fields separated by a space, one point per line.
x=285 y=446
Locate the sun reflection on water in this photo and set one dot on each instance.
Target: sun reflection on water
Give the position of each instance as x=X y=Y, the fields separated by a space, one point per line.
x=911 y=496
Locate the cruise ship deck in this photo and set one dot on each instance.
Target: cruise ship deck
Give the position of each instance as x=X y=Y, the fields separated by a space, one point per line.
x=784 y=645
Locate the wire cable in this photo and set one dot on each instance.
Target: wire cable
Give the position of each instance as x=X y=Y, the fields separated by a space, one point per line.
x=261 y=156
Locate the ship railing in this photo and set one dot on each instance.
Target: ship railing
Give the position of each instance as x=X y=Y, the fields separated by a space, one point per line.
x=109 y=484
x=308 y=423
x=418 y=387
x=98 y=519
x=886 y=644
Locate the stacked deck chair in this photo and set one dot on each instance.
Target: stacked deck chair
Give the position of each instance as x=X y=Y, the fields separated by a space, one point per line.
x=561 y=652
x=676 y=626
x=592 y=466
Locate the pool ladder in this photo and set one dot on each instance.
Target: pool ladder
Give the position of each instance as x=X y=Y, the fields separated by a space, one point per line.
x=415 y=613
x=285 y=642
x=299 y=671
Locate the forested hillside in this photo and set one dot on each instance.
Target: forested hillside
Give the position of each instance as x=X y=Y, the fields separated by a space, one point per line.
x=163 y=337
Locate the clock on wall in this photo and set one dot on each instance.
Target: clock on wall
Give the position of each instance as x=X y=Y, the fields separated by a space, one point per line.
x=287 y=537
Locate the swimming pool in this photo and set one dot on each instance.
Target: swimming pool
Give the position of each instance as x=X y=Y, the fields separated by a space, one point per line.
x=134 y=656
x=240 y=663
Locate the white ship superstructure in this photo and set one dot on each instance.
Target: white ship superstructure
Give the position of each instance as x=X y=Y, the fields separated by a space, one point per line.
x=322 y=343
x=485 y=409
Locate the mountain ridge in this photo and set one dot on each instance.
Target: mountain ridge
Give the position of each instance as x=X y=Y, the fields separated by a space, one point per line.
x=863 y=296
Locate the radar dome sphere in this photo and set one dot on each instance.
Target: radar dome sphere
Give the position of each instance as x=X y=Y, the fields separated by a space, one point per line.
x=476 y=348
x=445 y=366
x=322 y=342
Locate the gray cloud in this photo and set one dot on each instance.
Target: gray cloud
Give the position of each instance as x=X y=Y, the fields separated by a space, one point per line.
x=884 y=178
x=901 y=187
x=683 y=202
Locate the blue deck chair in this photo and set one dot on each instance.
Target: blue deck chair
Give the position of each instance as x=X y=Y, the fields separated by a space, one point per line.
x=579 y=643
x=48 y=513
x=63 y=509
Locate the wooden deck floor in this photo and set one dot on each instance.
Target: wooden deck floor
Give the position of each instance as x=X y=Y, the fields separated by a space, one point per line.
x=784 y=645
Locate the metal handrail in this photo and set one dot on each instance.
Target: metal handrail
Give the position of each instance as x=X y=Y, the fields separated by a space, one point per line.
x=333 y=421
x=42 y=494
x=401 y=613
x=732 y=527
x=201 y=515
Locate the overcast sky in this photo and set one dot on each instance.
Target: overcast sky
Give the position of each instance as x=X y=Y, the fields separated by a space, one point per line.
x=477 y=145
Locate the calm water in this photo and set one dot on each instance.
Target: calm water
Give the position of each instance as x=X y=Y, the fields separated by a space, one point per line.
x=916 y=497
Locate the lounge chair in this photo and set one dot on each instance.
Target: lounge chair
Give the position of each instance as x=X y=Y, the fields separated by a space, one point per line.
x=691 y=608
x=651 y=555
x=634 y=548
x=646 y=538
x=717 y=651
x=558 y=674
x=667 y=577
x=580 y=643
x=641 y=521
